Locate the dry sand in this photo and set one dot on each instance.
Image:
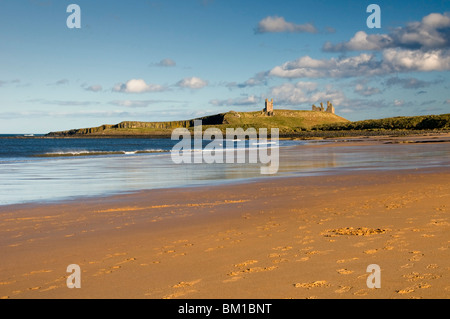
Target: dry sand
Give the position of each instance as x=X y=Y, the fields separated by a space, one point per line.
x=296 y=237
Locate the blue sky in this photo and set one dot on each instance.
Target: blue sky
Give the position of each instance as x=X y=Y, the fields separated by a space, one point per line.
x=179 y=59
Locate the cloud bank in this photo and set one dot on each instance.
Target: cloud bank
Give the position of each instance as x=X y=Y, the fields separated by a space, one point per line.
x=138 y=86
x=193 y=83
x=279 y=24
x=432 y=32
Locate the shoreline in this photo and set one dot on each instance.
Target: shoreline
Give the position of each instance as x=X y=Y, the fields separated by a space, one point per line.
x=311 y=144
x=304 y=135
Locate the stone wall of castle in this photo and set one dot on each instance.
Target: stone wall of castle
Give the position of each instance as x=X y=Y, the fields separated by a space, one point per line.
x=268 y=109
x=329 y=109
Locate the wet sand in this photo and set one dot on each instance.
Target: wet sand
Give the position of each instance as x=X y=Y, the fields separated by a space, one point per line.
x=293 y=237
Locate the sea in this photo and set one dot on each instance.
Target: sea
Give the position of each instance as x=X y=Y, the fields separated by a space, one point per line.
x=39 y=169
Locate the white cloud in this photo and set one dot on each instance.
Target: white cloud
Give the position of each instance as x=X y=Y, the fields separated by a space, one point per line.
x=307 y=67
x=432 y=32
x=63 y=102
x=279 y=24
x=138 y=86
x=305 y=93
x=366 y=90
x=242 y=101
x=132 y=103
x=399 y=102
x=393 y=60
x=94 y=88
x=166 y=63
x=409 y=83
x=60 y=82
x=192 y=83
x=259 y=79
x=417 y=60
x=361 y=41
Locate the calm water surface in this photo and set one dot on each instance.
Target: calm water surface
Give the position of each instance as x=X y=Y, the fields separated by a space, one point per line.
x=36 y=170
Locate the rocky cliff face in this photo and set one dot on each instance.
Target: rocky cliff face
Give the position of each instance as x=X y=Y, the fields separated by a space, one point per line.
x=132 y=125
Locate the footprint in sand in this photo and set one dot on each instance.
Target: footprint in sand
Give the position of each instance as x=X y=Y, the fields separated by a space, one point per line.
x=350 y=231
x=315 y=284
x=277 y=258
x=127 y=260
x=344 y=271
x=184 y=284
x=251 y=270
x=179 y=294
x=37 y=272
x=282 y=248
x=183 y=289
x=417 y=256
x=411 y=289
x=439 y=222
x=246 y=263
x=341 y=261
x=343 y=289
x=116 y=266
x=281 y=260
x=415 y=276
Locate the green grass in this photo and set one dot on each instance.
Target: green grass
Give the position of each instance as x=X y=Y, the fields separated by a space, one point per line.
x=422 y=122
x=285 y=120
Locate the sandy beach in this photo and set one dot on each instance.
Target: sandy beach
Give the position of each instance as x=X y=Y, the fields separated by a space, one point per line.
x=292 y=237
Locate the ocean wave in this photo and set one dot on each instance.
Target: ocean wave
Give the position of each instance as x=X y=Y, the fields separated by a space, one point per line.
x=94 y=153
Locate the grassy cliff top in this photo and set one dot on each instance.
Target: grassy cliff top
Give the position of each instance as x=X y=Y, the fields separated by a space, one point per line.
x=283 y=119
x=287 y=121
x=292 y=123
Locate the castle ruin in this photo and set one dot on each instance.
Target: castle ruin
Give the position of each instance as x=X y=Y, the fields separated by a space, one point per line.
x=330 y=108
x=268 y=109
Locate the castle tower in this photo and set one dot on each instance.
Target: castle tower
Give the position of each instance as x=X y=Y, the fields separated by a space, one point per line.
x=268 y=109
x=330 y=107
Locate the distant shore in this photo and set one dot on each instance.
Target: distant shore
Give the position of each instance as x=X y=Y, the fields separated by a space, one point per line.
x=289 y=123
x=307 y=135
